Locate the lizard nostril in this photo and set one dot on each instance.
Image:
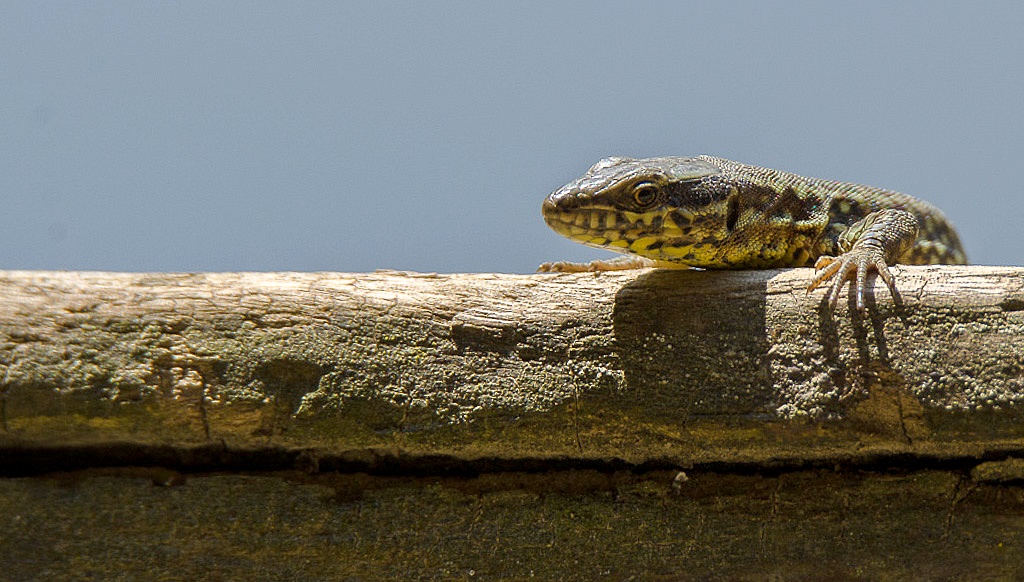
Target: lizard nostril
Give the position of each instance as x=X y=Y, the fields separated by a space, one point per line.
x=562 y=200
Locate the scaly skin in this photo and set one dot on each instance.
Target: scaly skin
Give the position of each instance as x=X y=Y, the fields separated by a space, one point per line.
x=718 y=214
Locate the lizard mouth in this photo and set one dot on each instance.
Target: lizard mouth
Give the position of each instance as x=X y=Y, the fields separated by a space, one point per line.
x=577 y=222
x=616 y=230
x=656 y=234
x=591 y=226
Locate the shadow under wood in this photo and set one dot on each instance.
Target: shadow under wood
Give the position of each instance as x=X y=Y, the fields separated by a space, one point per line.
x=694 y=342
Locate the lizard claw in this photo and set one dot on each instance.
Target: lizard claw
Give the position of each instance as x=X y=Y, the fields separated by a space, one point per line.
x=852 y=265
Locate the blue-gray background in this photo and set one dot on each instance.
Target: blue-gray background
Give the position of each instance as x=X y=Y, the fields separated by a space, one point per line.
x=414 y=135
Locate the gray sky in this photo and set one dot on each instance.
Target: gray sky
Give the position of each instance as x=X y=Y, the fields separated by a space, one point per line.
x=352 y=136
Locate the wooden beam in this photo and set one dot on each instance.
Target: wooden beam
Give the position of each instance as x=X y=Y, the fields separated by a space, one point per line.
x=679 y=366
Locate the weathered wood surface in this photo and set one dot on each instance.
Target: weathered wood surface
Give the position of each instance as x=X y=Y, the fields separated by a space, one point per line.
x=547 y=417
x=668 y=366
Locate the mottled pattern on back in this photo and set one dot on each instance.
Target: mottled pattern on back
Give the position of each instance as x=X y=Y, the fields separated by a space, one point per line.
x=937 y=242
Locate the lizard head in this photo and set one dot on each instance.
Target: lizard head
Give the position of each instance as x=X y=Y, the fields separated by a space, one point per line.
x=666 y=209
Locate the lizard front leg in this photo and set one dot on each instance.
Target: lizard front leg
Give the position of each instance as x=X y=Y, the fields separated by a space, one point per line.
x=620 y=263
x=872 y=243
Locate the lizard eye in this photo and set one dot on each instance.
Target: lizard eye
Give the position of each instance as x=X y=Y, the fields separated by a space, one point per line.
x=644 y=194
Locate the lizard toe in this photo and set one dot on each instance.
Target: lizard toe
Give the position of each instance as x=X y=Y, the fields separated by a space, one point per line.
x=827 y=267
x=853 y=265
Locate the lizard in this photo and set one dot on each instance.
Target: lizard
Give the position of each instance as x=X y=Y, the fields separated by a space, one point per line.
x=713 y=213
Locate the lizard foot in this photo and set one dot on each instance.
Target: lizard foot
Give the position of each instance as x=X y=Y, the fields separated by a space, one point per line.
x=621 y=263
x=852 y=265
